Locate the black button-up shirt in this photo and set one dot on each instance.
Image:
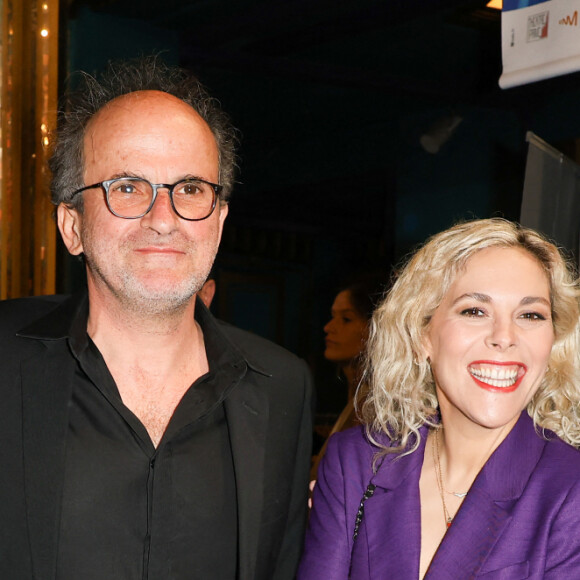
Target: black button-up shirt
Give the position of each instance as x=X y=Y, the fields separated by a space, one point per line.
x=132 y=511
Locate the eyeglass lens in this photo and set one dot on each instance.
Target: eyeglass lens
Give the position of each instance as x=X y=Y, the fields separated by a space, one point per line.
x=131 y=198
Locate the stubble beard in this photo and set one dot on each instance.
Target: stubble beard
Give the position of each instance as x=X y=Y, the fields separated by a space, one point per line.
x=165 y=299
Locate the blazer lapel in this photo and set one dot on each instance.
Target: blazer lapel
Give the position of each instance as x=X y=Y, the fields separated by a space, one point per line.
x=46 y=390
x=473 y=534
x=392 y=517
x=247 y=413
x=486 y=510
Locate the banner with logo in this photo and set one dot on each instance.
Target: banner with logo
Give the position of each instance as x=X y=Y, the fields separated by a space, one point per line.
x=540 y=39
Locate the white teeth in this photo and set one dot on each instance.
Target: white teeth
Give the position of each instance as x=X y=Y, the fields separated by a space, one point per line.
x=496 y=376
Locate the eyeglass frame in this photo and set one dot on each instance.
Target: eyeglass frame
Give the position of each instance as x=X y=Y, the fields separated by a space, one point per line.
x=106 y=184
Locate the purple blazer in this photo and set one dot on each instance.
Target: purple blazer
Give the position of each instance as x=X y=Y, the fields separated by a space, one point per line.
x=521 y=518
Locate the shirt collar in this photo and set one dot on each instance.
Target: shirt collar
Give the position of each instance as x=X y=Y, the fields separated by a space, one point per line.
x=69 y=321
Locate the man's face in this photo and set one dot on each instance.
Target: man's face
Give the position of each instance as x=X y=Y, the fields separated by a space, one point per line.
x=157 y=262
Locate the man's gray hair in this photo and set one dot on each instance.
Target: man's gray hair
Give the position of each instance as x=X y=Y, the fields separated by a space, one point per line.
x=122 y=77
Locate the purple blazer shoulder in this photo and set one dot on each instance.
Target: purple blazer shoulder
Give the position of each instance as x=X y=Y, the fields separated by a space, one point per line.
x=520 y=519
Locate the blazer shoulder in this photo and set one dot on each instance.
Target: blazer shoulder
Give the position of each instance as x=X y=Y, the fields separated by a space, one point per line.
x=562 y=456
x=555 y=475
x=356 y=441
x=353 y=450
x=265 y=353
x=17 y=313
x=355 y=437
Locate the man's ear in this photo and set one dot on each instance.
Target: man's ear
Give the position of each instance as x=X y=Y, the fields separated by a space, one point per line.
x=207 y=292
x=69 y=224
x=224 y=209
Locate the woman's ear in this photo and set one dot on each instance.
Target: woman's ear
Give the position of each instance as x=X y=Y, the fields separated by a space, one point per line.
x=69 y=224
x=426 y=346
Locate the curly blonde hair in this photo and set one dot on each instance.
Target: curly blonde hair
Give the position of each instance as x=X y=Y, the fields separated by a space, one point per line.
x=399 y=395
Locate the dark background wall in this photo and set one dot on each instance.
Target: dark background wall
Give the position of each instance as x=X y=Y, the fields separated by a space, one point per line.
x=331 y=99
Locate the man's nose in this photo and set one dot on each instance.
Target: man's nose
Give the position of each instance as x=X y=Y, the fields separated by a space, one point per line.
x=161 y=217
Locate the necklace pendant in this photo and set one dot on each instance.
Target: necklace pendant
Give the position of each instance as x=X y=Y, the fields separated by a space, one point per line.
x=449 y=522
x=459 y=494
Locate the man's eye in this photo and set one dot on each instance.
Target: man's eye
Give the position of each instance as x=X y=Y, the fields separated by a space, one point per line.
x=474 y=312
x=189 y=189
x=123 y=187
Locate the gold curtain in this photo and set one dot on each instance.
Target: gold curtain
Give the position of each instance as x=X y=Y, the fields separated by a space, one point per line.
x=29 y=59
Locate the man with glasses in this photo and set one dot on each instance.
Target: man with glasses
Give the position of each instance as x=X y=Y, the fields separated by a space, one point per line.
x=141 y=438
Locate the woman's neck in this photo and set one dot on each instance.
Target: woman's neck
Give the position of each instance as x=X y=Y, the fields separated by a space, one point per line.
x=351 y=374
x=463 y=453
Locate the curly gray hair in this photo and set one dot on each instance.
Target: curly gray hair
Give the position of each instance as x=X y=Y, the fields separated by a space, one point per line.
x=121 y=77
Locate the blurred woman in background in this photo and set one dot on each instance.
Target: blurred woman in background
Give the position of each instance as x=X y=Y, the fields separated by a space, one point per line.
x=346 y=336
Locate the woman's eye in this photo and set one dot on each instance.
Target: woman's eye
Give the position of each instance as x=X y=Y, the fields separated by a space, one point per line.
x=532 y=316
x=475 y=312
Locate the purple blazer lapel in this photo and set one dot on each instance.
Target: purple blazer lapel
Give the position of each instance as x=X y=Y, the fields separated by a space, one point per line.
x=486 y=511
x=474 y=532
x=392 y=518
x=391 y=527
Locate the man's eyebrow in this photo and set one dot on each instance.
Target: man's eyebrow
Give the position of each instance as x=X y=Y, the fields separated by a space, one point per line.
x=140 y=175
x=124 y=174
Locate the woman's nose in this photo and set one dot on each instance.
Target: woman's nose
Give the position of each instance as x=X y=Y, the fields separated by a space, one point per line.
x=503 y=334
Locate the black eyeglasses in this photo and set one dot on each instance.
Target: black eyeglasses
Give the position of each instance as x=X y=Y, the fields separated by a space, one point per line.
x=133 y=197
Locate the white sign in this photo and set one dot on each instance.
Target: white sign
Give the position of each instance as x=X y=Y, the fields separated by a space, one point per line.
x=540 y=39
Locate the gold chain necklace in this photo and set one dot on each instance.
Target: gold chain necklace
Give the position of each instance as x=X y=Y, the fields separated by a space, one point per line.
x=439 y=477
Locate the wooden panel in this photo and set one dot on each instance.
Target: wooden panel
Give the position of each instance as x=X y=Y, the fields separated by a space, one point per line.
x=45 y=122
x=11 y=120
x=29 y=101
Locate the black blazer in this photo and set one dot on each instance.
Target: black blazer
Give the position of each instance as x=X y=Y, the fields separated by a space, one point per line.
x=269 y=416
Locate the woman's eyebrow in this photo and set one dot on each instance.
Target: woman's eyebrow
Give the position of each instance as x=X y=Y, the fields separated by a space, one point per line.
x=534 y=299
x=342 y=310
x=474 y=296
x=485 y=298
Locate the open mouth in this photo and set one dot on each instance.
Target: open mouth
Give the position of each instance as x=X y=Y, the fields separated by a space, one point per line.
x=497 y=376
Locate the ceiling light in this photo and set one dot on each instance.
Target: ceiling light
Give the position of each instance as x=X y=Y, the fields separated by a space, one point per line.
x=439 y=133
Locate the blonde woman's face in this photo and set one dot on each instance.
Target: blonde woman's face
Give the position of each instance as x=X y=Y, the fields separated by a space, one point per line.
x=490 y=339
x=346 y=331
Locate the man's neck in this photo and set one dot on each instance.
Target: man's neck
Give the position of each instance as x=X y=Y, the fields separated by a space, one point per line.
x=129 y=333
x=153 y=359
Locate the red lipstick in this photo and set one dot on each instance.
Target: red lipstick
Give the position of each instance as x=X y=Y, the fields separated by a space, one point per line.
x=485 y=372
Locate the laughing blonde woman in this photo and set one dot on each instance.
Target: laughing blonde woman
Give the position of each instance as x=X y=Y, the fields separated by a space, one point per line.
x=465 y=466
